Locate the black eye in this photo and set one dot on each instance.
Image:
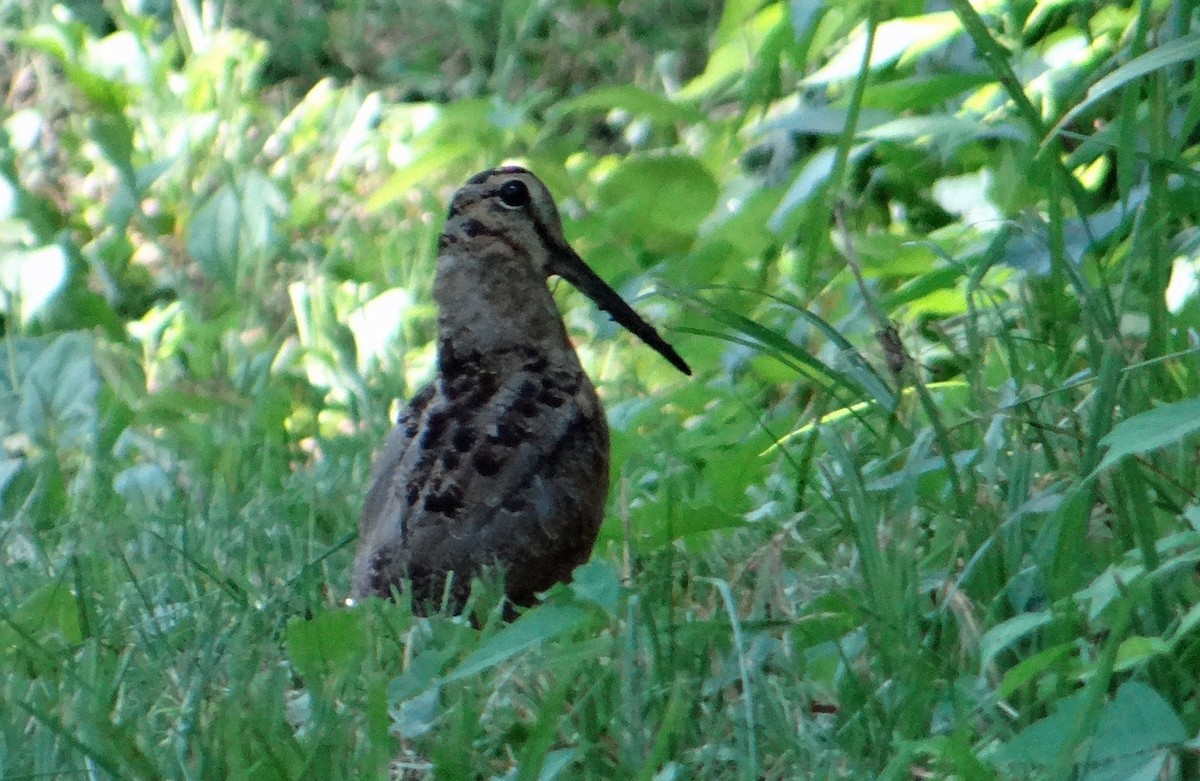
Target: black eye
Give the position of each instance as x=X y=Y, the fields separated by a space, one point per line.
x=514 y=194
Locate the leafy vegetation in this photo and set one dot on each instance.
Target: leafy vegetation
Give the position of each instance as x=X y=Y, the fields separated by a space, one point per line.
x=927 y=510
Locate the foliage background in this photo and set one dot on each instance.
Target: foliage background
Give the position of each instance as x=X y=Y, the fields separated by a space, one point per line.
x=969 y=551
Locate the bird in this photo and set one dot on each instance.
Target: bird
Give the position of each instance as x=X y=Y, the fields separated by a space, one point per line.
x=501 y=463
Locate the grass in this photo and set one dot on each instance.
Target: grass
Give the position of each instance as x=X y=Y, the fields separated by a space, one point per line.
x=965 y=551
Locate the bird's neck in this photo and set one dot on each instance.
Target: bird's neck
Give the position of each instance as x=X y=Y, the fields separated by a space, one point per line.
x=496 y=322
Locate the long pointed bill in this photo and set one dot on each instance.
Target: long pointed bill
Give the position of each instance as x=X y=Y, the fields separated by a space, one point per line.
x=568 y=265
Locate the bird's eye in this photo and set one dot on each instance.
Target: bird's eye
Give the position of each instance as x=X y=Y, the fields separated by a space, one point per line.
x=514 y=194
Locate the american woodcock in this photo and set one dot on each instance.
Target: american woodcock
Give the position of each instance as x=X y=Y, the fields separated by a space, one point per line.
x=503 y=459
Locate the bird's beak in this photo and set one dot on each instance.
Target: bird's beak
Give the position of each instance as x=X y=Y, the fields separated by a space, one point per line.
x=568 y=265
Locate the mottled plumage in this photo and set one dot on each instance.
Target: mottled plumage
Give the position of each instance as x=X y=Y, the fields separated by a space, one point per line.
x=503 y=459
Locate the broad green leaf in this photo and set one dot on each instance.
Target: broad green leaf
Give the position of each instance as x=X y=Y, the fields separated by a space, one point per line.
x=213 y=238
x=532 y=629
x=1137 y=650
x=636 y=101
x=736 y=55
x=235 y=226
x=1185 y=49
x=820 y=120
x=812 y=177
x=1004 y=634
x=944 y=131
x=29 y=280
x=1038 y=744
x=1150 y=430
x=660 y=200
x=56 y=395
x=598 y=582
x=419 y=171
x=50 y=611
x=906 y=37
x=922 y=93
x=325 y=644
x=1029 y=669
x=1136 y=733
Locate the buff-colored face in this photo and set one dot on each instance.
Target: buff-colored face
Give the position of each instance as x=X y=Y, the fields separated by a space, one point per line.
x=510 y=207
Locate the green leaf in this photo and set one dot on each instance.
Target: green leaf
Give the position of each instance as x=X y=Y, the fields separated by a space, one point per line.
x=1134 y=736
x=737 y=49
x=1028 y=669
x=812 y=177
x=533 y=628
x=1039 y=743
x=326 y=643
x=1185 y=49
x=51 y=610
x=659 y=200
x=922 y=92
x=946 y=130
x=30 y=279
x=1004 y=634
x=53 y=396
x=636 y=101
x=1135 y=651
x=597 y=582
x=1151 y=430
x=213 y=235
x=895 y=38
x=236 y=226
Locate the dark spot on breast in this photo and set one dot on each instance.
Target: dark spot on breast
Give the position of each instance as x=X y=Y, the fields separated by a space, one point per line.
x=526 y=402
x=443 y=242
x=550 y=397
x=486 y=462
x=409 y=416
x=535 y=360
x=448 y=501
x=458 y=367
x=463 y=438
x=515 y=504
x=483 y=390
x=435 y=427
x=449 y=459
x=525 y=407
x=412 y=493
x=508 y=434
x=456 y=386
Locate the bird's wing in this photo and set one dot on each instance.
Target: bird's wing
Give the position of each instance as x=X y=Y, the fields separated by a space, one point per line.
x=382 y=514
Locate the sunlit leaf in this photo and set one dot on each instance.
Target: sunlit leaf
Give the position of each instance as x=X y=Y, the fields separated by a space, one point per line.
x=29 y=279
x=661 y=200
x=1184 y=49
x=895 y=38
x=636 y=101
